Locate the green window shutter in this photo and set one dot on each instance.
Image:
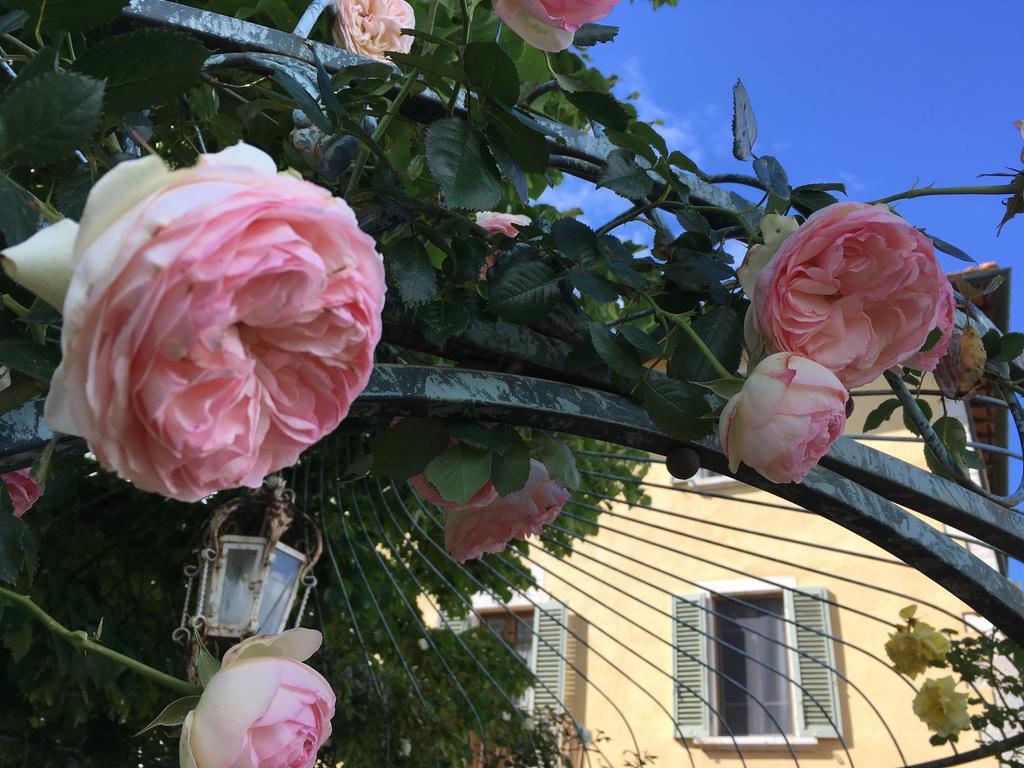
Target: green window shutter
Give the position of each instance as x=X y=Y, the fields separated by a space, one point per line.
x=811 y=613
x=547 y=658
x=690 y=671
x=457 y=626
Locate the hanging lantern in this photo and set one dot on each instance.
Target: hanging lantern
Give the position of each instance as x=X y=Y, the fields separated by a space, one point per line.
x=257 y=551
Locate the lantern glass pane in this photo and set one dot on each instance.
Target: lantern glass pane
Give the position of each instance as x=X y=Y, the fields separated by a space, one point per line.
x=236 y=597
x=279 y=589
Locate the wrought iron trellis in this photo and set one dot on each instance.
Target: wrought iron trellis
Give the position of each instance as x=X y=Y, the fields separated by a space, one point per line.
x=855 y=487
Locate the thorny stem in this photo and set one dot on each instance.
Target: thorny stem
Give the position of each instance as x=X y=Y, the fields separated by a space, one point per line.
x=997 y=189
x=81 y=640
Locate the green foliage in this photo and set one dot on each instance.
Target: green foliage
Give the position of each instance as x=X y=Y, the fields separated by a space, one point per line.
x=744 y=124
x=524 y=292
x=458 y=161
x=677 y=407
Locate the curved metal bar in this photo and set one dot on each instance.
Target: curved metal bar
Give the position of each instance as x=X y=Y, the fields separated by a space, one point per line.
x=311 y=16
x=396 y=390
x=995 y=748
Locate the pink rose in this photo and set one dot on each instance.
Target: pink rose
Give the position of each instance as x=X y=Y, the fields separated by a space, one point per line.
x=488 y=522
x=219 y=320
x=23 y=491
x=263 y=709
x=550 y=24
x=504 y=223
x=373 y=27
x=783 y=421
x=858 y=290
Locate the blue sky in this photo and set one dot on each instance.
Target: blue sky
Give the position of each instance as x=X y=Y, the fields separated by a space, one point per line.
x=877 y=94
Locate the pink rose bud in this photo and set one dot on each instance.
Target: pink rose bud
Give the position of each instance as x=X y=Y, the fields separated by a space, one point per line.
x=373 y=27
x=858 y=290
x=219 y=319
x=23 y=490
x=1019 y=125
x=783 y=421
x=503 y=223
x=550 y=24
x=264 y=708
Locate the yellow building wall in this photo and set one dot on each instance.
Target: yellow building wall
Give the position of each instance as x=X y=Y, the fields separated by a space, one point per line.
x=631 y=710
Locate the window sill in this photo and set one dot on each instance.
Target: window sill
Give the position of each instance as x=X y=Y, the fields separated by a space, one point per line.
x=753 y=742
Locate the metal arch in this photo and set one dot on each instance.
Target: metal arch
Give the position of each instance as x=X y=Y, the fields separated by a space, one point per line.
x=397 y=390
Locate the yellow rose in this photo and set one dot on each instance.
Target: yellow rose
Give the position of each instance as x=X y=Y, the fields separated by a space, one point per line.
x=911 y=648
x=941 y=708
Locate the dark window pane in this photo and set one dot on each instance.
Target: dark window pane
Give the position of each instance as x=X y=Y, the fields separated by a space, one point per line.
x=751 y=633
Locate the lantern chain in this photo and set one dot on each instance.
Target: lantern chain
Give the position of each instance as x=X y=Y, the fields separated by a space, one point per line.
x=310 y=582
x=180 y=635
x=208 y=555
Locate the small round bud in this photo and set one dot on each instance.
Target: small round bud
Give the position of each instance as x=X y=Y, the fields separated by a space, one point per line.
x=682 y=462
x=849 y=406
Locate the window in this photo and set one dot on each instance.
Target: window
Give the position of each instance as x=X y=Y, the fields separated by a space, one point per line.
x=749 y=656
x=728 y=650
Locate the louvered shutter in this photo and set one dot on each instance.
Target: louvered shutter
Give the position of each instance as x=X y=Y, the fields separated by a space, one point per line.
x=690 y=671
x=547 y=657
x=821 y=715
x=455 y=625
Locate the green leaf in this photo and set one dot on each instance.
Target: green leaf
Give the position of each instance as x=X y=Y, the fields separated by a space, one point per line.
x=744 y=124
x=881 y=414
x=173 y=714
x=411 y=272
x=507 y=165
x=933 y=338
x=592 y=285
x=48 y=118
x=459 y=472
x=44 y=61
x=69 y=15
x=951 y=249
x=491 y=72
x=433 y=64
x=206 y=665
x=807 y=201
x=926 y=410
x=19 y=217
x=575 y=240
x=511 y=470
x=477 y=435
x=602 y=108
x=617 y=353
x=18 y=641
x=695 y=272
x=724 y=388
x=1011 y=346
x=524 y=292
x=558 y=458
x=405 y=449
x=681 y=161
x=641 y=341
x=440 y=320
x=591 y=34
x=721 y=330
x=621 y=174
x=527 y=147
x=773 y=176
x=34 y=360
x=304 y=101
x=13 y=21
x=619 y=261
x=677 y=407
x=143 y=68
x=12 y=554
x=458 y=161
x=325 y=86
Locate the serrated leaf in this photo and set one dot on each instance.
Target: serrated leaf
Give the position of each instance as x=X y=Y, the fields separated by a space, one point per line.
x=43 y=62
x=641 y=341
x=950 y=249
x=527 y=147
x=724 y=388
x=559 y=460
x=479 y=436
x=677 y=407
x=591 y=34
x=681 y=161
x=880 y=414
x=19 y=217
x=173 y=714
x=617 y=353
x=434 y=64
x=411 y=272
x=575 y=240
x=69 y=15
x=143 y=68
x=721 y=330
x=744 y=124
x=619 y=261
x=459 y=472
x=49 y=117
x=34 y=360
x=206 y=665
x=404 y=449
x=771 y=173
x=507 y=165
x=602 y=108
x=491 y=72
x=694 y=272
x=807 y=201
x=524 y=292
x=511 y=469
x=621 y=174
x=461 y=166
x=440 y=320
x=592 y=285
